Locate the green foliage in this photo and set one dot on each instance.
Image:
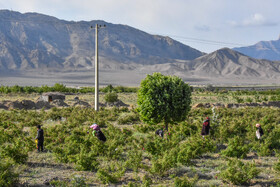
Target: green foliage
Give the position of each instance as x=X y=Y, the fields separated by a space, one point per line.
x=127 y=118
x=163 y=98
x=133 y=184
x=257 y=98
x=105 y=177
x=277 y=166
x=7 y=176
x=194 y=147
x=239 y=173
x=236 y=148
x=249 y=100
x=144 y=128
x=134 y=160
x=263 y=149
x=62 y=88
x=59 y=87
x=238 y=99
x=86 y=161
x=160 y=166
x=16 y=89
x=119 y=89
x=185 y=181
x=14 y=151
x=168 y=154
x=78 y=181
x=146 y=181
x=13 y=143
x=108 y=88
x=134 y=149
x=122 y=89
x=111 y=97
x=60 y=183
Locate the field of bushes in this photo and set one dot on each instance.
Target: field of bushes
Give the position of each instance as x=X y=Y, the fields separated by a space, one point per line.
x=133 y=155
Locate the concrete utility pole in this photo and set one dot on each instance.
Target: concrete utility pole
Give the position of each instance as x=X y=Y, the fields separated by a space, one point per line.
x=96 y=101
x=96 y=95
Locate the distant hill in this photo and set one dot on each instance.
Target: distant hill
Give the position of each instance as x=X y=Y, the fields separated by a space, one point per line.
x=34 y=41
x=269 y=50
x=222 y=67
x=229 y=63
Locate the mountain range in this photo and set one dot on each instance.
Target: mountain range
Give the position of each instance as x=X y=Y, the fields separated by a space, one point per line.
x=36 y=41
x=269 y=50
x=37 y=49
x=224 y=66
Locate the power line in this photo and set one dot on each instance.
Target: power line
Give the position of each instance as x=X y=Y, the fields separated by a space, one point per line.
x=199 y=40
x=221 y=43
x=206 y=41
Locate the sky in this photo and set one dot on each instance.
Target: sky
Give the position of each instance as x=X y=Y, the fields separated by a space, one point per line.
x=206 y=25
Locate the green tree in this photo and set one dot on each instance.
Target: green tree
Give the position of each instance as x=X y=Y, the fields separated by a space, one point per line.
x=108 y=88
x=111 y=97
x=163 y=99
x=59 y=87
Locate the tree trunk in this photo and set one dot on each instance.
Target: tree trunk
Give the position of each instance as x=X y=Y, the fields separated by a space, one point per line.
x=166 y=125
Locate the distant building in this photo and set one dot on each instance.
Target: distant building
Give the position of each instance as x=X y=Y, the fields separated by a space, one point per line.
x=50 y=96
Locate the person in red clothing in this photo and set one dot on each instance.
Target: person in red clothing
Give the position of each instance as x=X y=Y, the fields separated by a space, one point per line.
x=205 y=127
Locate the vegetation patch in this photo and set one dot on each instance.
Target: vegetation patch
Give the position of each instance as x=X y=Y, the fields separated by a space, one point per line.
x=133 y=154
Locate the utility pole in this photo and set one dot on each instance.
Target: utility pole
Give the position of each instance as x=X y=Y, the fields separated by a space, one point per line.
x=96 y=95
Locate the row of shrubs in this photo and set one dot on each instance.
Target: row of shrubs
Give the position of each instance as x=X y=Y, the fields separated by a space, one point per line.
x=136 y=148
x=62 y=88
x=241 y=91
x=256 y=98
x=122 y=89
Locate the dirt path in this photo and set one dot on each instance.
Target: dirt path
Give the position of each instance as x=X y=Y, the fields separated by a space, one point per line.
x=41 y=168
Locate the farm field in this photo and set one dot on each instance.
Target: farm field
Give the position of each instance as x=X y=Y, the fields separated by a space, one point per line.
x=133 y=155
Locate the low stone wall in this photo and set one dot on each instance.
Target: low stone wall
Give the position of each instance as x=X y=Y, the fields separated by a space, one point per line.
x=30 y=105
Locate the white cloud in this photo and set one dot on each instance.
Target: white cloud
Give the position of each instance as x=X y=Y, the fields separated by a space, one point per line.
x=254 y=20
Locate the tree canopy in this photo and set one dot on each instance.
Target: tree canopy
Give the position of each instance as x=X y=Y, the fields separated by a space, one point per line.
x=163 y=99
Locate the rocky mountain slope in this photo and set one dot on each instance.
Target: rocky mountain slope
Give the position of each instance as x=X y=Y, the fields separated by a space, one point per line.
x=224 y=65
x=228 y=63
x=36 y=41
x=269 y=50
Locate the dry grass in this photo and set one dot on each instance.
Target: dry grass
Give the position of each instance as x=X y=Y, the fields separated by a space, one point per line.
x=42 y=167
x=19 y=96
